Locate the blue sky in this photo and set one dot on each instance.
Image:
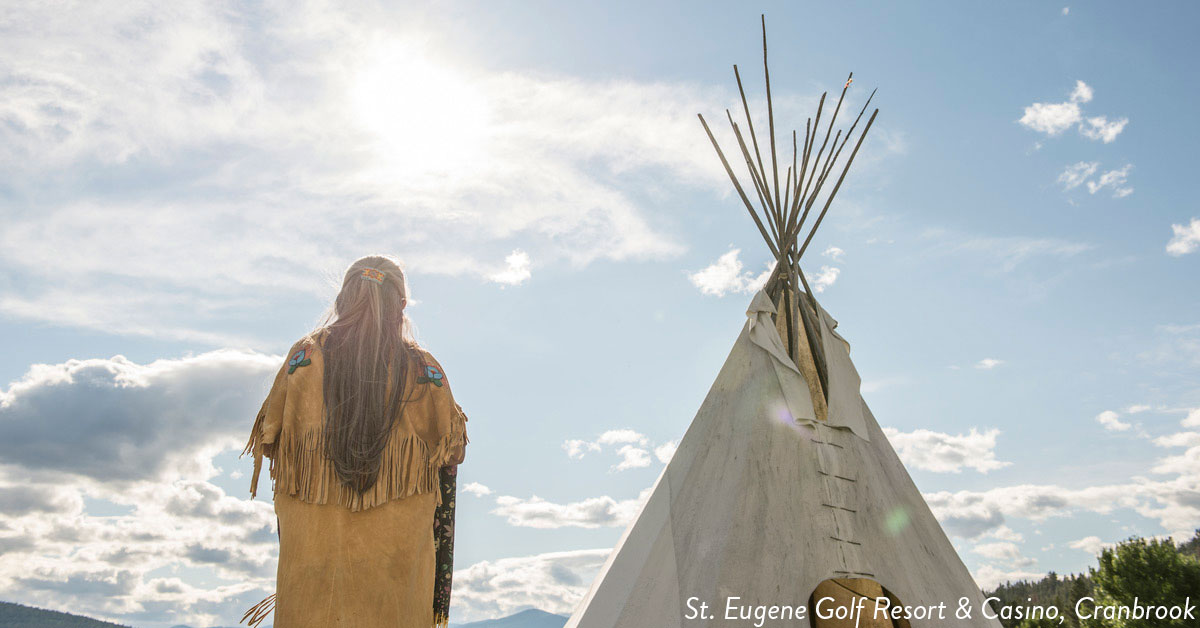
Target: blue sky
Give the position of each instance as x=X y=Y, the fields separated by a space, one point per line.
x=1014 y=259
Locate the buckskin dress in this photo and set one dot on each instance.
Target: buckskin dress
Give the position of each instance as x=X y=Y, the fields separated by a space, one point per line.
x=345 y=559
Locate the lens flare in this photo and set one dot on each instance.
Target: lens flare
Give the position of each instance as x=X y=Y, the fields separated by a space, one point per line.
x=897 y=521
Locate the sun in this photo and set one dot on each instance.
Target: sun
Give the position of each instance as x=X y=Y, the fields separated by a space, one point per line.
x=424 y=116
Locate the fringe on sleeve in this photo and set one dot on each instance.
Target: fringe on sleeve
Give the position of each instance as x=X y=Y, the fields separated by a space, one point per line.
x=267 y=425
x=256 y=447
x=452 y=442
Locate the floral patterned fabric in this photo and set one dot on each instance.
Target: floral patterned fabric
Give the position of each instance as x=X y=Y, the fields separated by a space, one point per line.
x=443 y=539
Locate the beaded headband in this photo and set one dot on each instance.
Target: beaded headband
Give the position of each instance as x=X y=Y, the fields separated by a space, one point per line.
x=371 y=274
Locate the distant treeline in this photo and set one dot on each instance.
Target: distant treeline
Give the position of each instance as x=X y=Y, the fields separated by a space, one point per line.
x=1152 y=571
x=21 y=616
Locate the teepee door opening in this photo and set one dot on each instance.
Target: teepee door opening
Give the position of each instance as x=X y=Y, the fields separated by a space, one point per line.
x=829 y=604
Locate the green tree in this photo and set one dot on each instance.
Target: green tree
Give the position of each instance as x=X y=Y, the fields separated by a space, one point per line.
x=1152 y=571
x=1080 y=587
x=1192 y=547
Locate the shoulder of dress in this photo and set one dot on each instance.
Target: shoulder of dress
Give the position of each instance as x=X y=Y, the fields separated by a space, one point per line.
x=303 y=351
x=426 y=357
x=430 y=371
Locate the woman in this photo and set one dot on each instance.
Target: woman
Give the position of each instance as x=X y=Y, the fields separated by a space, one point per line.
x=364 y=438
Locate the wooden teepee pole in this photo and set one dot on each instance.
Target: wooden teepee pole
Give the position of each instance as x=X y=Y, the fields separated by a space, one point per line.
x=770 y=117
x=738 y=186
x=772 y=210
x=838 y=186
x=760 y=184
x=785 y=208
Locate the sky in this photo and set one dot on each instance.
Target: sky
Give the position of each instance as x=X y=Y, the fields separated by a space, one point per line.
x=1014 y=258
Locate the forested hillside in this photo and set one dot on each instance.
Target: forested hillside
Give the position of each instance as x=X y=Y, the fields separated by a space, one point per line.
x=1151 y=571
x=21 y=616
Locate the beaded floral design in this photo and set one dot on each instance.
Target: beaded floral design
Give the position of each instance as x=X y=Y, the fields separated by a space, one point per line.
x=299 y=359
x=431 y=376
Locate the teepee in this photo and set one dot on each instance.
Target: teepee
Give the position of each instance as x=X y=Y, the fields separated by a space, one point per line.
x=784 y=491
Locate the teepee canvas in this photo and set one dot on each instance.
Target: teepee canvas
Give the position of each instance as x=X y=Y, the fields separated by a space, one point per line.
x=784 y=490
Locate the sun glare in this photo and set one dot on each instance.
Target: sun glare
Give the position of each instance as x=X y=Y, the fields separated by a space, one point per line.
x=424 y=116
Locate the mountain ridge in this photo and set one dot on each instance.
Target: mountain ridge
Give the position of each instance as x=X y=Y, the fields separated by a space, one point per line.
x=529 y=618
x=16 y=615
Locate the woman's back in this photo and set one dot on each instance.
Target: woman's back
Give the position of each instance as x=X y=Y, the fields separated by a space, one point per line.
x=428 y=434
x=358 y=518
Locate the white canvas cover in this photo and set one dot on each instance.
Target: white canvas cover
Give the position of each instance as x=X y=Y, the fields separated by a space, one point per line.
x=762 y=502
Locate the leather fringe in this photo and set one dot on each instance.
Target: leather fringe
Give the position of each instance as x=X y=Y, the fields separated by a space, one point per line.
x=407 y=466
x=258 y=449
x=301 y=469
x=259 y=612
x=454 y=439
x=441 y=621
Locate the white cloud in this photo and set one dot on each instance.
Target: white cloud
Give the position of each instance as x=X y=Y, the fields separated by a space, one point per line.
x=614 y=437
x=1054 y=118
x=1186 y=238
x=114 y=420
x=516 y=269
x=825 y=278
x=1178 y=439
x=1174 y=502
x=140 y=437
x=593 y=512
x=665 y=451
x=1187 y=464
x=833 y=253
x=226 y=140
x=946 y=453
x=632 y=451
x=1003 y=551
x=989 y=577
x=476 y=489
x=1138 y=408
x=1075 y=175
x=1092 y=545
x=59 y=556
x=1051 y=118
x=631 y=458
x=1005 y=533
x=988 y=363
x=1082 y=92
x=1099 y=128
x=553 y=582
x=1112 y=422
x=1078 y=174
x=576 y=448
x=1114 y=179
x=725 y=276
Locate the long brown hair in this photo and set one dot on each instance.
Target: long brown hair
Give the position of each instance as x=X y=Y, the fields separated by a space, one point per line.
x=368 y=350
